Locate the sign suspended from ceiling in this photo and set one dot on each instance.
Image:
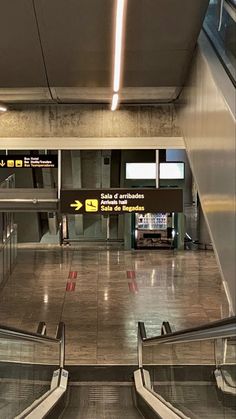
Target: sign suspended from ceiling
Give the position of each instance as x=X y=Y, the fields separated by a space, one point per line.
x=120 y=201
x=21 y=161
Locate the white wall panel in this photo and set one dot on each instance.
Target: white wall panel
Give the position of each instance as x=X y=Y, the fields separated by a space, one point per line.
x=208 y=125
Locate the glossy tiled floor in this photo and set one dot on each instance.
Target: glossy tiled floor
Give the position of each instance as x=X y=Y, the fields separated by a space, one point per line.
x=102 y=294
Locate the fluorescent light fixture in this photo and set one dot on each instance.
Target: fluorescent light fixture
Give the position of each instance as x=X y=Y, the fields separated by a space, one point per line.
x=120 y=7
x=114 y=103
x=3 y=108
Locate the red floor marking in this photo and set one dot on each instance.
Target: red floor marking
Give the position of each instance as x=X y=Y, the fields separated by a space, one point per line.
x=72 y=275
x=133 y=286
x=131 y=289
x=130 y=274
x=70 y=286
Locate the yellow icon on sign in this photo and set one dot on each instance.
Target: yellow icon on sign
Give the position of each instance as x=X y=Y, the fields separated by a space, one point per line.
x=19 y=163
x=10 y=163
x=91 y=205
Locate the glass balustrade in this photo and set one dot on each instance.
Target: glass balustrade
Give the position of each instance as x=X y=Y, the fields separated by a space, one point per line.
x=27 y=364
x=198 y=377
x=220 y=26
x=8 y=236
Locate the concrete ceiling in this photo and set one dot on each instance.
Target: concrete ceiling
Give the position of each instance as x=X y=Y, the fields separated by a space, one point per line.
x=62 y=50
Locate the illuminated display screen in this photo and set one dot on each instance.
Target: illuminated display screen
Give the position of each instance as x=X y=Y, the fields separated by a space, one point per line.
x=140 y=170
x=169 y=170
x=172 y=170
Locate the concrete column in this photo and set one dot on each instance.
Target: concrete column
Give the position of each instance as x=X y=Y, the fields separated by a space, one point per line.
x=105 y=183
x=127 y=231
x=180 y=231
x=77 y=184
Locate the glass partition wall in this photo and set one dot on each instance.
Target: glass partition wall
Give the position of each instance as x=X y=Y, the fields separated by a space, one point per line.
x=8 y=236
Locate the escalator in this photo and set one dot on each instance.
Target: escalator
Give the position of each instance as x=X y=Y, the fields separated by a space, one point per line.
x=193 y=370
x=184 y=374
x=101 y=401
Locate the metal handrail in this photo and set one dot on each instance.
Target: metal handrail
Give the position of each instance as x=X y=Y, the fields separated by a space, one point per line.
x=61 y=337
x=10 y=178
x=232 y=3
x=14 y=333
x=215 y=330
x=230 y=8
x=218 y=330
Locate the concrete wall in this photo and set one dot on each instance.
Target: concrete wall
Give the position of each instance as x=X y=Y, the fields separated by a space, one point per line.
x=88 y=121
x=207 y=117
x=86 y=127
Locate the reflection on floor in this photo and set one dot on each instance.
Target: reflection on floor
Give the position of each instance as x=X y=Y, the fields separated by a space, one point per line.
x=102 y=294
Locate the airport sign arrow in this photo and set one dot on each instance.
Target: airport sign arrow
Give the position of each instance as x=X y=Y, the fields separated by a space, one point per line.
x=77 y=205
x=2 y=164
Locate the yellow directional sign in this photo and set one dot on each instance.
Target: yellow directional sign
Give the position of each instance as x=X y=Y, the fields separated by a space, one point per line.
x=120 y=201
x=77 y=205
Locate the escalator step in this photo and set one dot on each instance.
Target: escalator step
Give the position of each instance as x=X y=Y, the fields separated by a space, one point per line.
x=103 y=402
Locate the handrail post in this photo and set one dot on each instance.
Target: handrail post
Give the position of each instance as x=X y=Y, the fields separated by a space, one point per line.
x=140 y=350
x=141 y=337
x=220 y=351
x=41 y=330
x=61 y=338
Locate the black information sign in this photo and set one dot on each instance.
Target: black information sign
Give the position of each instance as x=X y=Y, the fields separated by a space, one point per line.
x=120 y=201
x=41 y=161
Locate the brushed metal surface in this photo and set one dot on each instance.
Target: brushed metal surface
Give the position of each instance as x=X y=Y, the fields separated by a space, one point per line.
x=208 y=123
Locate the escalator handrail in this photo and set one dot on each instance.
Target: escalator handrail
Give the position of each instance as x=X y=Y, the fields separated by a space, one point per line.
x=13 y=333
x=232 y=3
x=6 y=181
x=215 y=330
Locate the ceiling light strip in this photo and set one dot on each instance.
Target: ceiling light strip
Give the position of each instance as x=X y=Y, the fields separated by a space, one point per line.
x=114 y=103
x=119 y=32
x=118 y=43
